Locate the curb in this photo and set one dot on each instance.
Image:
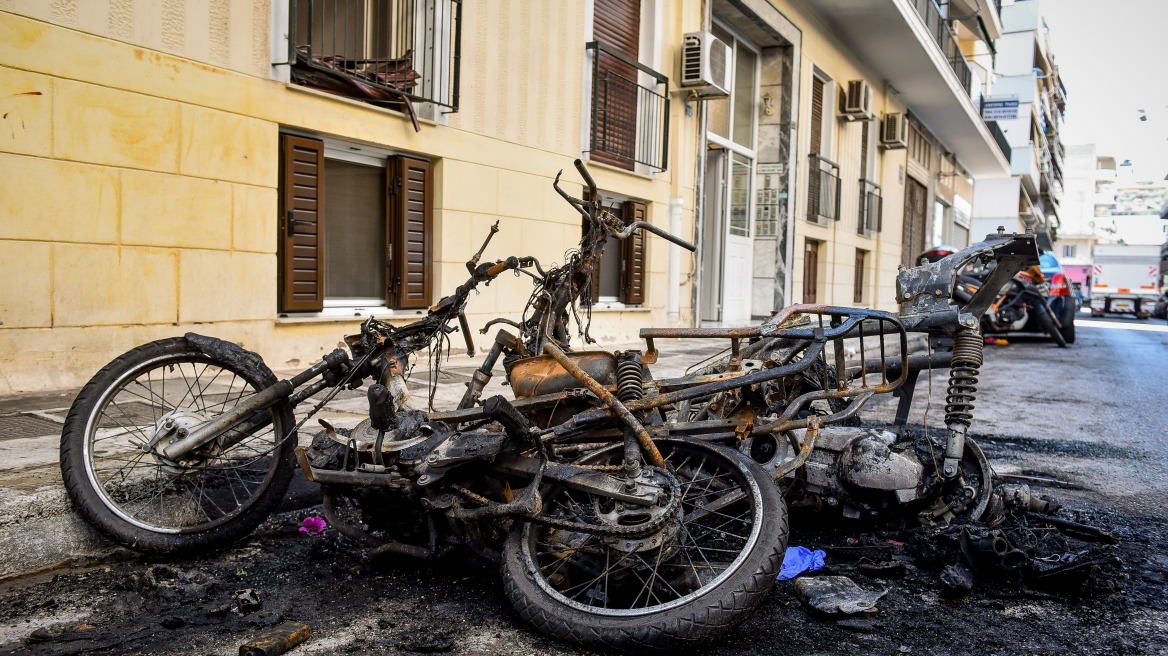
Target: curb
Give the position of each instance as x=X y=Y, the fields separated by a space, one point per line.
x=43 y=531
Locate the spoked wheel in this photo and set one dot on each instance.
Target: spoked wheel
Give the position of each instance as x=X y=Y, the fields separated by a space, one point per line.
x=711 y=563
x=111 y=443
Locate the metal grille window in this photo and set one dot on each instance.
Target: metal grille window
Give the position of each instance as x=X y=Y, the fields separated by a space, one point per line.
x=630 y=110
x=387 y=52
x=823 y=190
x=870 y=220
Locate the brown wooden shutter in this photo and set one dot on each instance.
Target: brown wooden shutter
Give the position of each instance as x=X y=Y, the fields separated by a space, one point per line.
x=810 y=270
x=864 y=151
x=301 y=245
x=633 y=271
x=858 y=286
x=409 y=231
x=816 y=115
x=617 y=24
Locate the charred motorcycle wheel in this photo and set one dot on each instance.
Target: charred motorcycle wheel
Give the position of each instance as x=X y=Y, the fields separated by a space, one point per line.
x=711 y=564
x=214 y=495
x=1046 y=318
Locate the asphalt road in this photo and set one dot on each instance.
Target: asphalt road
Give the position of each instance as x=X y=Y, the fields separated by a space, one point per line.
x=1091 y=417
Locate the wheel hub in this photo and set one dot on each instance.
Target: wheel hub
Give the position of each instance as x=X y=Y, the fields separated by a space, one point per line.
x=174 y=426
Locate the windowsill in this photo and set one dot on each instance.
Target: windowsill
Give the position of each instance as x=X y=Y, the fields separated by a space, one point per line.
x=869 y=234
x=356 y=103
x=618 y=307
x=344 y=314
x=616 y=169
x=825 y=223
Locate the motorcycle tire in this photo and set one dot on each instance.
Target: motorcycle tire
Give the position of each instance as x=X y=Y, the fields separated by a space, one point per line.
x=1068 y=331
x=210 y=498
x=704 y=575
x=1047 y=320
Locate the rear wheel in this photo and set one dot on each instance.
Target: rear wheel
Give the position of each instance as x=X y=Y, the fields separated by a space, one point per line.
x=124 y=487
x=712 y=563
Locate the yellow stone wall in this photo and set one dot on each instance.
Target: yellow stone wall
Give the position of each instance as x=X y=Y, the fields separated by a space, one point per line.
x=139 y=165
x=822 y=48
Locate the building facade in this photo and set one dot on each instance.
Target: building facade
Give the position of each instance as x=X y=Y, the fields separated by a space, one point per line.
x=1026 y=78
x=850 y=143
x=251 y=170
x=271 y=173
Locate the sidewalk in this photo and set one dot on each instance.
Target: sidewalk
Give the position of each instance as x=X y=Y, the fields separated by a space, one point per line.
x=41 y=530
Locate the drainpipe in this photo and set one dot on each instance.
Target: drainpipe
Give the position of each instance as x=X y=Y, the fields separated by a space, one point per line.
x=673 y=264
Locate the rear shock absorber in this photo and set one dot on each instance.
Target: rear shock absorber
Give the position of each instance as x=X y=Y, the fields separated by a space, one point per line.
x=630 y=377
x=967 y=359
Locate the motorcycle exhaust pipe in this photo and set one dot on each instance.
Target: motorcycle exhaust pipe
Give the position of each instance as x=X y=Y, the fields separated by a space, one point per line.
x=1014 y=559
x=262 y=400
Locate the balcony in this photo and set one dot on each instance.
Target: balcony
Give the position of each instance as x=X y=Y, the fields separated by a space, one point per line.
x=870 y=219
x=630 y=111
x=823 y=190
x=385 y=52
x=916 y=53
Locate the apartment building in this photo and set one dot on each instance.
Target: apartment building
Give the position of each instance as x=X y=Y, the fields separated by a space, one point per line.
x=273 y=172
x=1027 y=79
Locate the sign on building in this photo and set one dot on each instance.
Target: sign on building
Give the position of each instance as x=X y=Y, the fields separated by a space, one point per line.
x=1000 y=108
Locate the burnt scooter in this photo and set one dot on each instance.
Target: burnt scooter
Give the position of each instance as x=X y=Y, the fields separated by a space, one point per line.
x=617 y=512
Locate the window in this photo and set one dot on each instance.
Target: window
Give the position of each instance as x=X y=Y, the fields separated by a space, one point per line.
x=1069 y=250
x=628 y=120
x=871 y=205
x=621 y=273
x=858 y=286
x=823 y=181
x=380 y=51
x=940 y=213
x=355 y=229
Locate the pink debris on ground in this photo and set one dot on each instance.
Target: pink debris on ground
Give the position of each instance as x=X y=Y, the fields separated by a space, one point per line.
x=313 y=525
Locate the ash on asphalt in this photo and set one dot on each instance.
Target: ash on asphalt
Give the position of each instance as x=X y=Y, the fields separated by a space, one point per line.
x=139 y=605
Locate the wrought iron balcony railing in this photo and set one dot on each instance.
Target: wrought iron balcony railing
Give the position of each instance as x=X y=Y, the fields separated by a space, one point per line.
x=823 y=190
x=938 y=27
x=871 y=217
x=387 y=52
x=630 y=111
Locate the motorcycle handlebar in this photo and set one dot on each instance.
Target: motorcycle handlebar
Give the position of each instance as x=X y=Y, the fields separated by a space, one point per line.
x=657 y=231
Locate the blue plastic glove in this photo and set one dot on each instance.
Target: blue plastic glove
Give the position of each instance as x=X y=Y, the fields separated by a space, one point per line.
x=800 y=559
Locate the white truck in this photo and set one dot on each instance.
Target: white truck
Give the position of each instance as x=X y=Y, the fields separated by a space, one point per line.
x=1126 y=279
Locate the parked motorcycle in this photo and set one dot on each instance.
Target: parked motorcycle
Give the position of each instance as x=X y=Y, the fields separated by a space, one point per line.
x=624 y=510
x=1023 y=301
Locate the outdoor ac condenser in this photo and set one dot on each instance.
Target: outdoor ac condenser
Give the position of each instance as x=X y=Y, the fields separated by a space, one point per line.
x=894 y=131
x=856 y=101
x=705 y=65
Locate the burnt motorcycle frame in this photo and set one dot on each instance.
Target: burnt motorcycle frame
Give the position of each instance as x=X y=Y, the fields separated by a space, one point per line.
x=471 y=470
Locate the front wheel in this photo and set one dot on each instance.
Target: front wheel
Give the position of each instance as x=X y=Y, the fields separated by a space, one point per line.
x=699 y=575
x=1046 y=318
x=124 y=487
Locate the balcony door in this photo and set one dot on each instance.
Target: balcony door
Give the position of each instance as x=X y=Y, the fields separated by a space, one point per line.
x=728 y=244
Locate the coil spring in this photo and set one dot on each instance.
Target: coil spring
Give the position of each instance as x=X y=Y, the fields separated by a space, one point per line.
x=630 y=385
x=967 y=359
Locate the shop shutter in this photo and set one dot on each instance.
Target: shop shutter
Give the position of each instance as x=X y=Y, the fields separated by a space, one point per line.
x=301 y=245
x=409 y=232
x=633 y=271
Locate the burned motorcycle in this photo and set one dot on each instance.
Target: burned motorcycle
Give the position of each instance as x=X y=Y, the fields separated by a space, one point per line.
x=623 y=510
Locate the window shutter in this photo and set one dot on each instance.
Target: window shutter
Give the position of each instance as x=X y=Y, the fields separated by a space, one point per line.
x=816 y=115
x=410 y=222
x=633 y=257
x=301 y=246
x=864 y=151
x=616 y=23
x=858 y=282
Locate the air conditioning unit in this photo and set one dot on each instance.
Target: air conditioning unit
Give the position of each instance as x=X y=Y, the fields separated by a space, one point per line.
x=894 y=131
x=705 y=65
x=856 y=102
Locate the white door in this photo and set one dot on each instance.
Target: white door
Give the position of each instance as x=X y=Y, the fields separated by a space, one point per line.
x=736 y=278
